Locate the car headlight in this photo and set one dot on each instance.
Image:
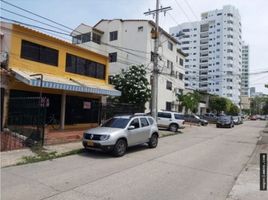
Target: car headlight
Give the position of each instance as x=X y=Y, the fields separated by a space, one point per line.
x=104 y=137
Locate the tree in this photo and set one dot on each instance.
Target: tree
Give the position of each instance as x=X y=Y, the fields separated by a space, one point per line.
x=218 y=104
x=190 y=101
x=133 y=85
x=234 y=110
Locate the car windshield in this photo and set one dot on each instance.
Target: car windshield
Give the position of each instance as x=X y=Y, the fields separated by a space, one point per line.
x=116 y=123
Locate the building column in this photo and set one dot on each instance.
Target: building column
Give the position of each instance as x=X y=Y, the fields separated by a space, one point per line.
x=63 y=109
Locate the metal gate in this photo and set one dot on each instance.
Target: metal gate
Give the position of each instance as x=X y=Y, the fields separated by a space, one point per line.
x=26 y=120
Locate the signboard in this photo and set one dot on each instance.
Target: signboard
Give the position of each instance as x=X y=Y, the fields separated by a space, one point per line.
x=87 y=105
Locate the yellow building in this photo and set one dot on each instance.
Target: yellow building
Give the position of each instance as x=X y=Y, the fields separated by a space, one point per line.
x=71 y=80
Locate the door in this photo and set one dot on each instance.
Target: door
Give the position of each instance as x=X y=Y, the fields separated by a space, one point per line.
x=145 y=129
x=134 y=135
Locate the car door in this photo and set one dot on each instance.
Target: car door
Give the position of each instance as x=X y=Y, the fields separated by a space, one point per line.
x=134 y=135
x=145 y=129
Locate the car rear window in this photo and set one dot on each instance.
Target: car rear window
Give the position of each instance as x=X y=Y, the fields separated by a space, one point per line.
x=144 y=122
x=151 y=120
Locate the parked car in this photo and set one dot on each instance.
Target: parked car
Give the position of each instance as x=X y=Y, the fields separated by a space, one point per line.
x=237 y=120
x=225 y=121
x=262 y=117
x=121 y=132
x=195 y=119
x=210 y=117
x=253 y=117
x=170 y=120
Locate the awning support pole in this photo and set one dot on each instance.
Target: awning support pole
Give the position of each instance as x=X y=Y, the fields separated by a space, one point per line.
x=63 y=109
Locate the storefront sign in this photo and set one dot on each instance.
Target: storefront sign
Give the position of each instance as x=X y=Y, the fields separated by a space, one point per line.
x=87 y=105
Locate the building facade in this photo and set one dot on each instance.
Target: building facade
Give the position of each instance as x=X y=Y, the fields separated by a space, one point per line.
x=245 y=70
x=214 y=48
x=130 y=42
x=73 y=80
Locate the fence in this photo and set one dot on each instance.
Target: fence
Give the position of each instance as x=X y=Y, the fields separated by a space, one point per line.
x=26 y=121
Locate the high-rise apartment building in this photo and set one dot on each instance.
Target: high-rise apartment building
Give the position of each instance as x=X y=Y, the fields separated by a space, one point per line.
x=245 y=70
x=214 y=48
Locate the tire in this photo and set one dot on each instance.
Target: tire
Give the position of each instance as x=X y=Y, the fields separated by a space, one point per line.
x=153 y=141
x=120 y=148
x=218 y=126
x=173 y=127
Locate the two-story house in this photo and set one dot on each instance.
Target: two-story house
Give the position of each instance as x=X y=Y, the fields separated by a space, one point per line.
x=73 y=80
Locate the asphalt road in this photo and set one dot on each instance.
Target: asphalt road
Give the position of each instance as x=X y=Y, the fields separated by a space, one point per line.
x=201 y=163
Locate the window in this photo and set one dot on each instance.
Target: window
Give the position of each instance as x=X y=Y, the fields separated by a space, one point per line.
x=178 y=116
x=169 y=85
x=39 y=53
x=78 y=39
x=170 y=46
x=168 y=106
x=164 y=115
x=113 y=57
x=135 y=123
x=144 y=122
x=82 y=66
x=96 y=38
x=151 y=120
x=180 y=76
x=140 y=28
x=186 y=30
x=181 y=62
x=113 y=35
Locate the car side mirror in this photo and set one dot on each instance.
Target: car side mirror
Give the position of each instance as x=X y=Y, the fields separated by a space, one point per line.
x=131 y=127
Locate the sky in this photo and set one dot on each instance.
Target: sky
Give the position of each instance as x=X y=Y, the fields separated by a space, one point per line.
x=254 y=16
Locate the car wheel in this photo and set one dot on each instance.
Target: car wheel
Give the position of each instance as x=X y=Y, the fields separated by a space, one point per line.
x=120 y=148
x=173 y=127
x=218 y=126
x=153 y=141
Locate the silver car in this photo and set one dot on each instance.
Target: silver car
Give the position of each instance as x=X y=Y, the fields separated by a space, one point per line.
x=120 y=132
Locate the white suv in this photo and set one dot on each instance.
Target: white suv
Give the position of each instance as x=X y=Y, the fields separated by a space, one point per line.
x=170 y=120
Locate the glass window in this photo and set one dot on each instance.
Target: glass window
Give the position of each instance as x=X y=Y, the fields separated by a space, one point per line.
x=113 y=35
x=181 y=62
x=151 y=120
x=144 y=122
x=170 y=46
x=178 y=116
x=39 y=53
x=96 y=38
x=116 y=123
x=135 y=123
x=82 y=66
x=113 y=57
x=164 y=115
x=169 y=85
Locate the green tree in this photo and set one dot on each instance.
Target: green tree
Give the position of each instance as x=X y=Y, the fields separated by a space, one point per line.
x=190 y=101
x=234 y=110
x=218 y=104
x=133 y=85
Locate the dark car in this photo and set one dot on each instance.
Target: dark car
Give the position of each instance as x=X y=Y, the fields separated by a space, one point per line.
x=210 y=117
x=195 y=119
x=225 y=121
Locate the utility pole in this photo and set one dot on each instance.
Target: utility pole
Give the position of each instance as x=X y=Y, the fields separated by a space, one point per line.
x=155 y=71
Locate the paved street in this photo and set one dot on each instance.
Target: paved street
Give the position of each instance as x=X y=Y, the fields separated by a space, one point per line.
x=201 y=163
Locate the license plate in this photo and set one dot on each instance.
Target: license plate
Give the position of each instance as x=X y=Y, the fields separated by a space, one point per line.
x=90 y=143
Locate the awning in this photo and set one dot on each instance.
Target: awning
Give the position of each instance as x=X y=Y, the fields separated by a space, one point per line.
x=63 y=83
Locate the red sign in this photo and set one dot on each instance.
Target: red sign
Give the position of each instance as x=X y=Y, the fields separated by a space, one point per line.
x=87 y=105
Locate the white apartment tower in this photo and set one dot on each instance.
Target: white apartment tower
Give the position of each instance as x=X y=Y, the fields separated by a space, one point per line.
x=245 y=70
x=214 y=48
x=130 y=42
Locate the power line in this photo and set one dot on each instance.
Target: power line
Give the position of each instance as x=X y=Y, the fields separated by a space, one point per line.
x=23 y=16
x=183 y=10
x=187 y=3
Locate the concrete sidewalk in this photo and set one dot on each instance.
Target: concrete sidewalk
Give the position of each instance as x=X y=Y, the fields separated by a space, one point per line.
x=247 y=185
x=9 y=158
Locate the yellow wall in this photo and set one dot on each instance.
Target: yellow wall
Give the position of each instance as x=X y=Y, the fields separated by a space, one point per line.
x=20 y=33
